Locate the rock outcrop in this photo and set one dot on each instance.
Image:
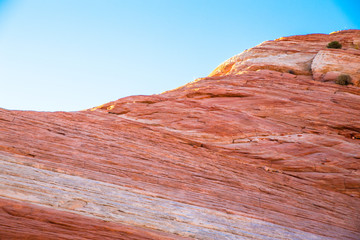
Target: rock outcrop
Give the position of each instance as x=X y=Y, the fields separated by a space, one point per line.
x=328 y=64
x=266 y=147
x=301 y=55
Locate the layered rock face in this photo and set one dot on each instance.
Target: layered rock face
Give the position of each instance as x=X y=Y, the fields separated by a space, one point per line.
x=301 y=55
x=249 y=152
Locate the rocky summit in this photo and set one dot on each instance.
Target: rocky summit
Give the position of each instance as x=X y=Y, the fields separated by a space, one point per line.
x=266 y=147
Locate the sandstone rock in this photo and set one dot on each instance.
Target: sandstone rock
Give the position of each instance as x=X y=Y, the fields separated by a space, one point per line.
x=272 y=55
x=341 y=61
x=356 y=43
x=328 y=76
x=302 y=55
x=250 y=152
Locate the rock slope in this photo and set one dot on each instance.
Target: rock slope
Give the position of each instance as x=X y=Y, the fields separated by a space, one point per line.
x=301 y=55
x=249 y=152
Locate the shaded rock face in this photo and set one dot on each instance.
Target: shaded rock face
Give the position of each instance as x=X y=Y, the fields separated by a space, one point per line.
x=249 y=152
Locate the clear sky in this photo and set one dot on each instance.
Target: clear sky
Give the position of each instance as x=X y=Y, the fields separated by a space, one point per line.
x=75 y=54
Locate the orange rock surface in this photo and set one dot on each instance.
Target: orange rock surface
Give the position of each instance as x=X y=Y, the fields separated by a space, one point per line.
x=249 y=152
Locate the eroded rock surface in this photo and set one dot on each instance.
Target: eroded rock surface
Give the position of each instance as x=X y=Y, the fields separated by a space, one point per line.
x=250 y=152
x=336 y=62
x=301 y=55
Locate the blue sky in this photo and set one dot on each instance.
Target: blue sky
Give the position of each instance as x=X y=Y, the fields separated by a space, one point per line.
x=71 y=55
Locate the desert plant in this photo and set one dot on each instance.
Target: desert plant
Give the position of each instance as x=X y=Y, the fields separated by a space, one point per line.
x=343 y=79
x=291 y=72
x=334 y=44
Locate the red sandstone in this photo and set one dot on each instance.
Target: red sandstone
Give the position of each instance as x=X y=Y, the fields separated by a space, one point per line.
x=251 y=140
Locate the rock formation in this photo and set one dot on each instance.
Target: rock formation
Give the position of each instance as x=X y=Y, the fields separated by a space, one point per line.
x=301 y=55
x=265 y=147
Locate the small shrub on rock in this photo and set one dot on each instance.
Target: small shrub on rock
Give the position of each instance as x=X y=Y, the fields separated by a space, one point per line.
x=291 y=72
x=343 y=79
x=334 y=44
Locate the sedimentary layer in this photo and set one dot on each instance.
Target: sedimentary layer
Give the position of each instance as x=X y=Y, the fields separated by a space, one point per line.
x=252 y=151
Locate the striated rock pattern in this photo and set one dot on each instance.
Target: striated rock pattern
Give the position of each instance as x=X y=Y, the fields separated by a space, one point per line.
x=249 y=152
x=301 y=55
x=335 y=62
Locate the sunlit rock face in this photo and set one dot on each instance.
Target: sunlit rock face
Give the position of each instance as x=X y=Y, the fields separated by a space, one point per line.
x=301 y=55
x=266 y=147
x=328 y=64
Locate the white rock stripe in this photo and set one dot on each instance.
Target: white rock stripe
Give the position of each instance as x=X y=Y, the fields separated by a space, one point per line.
x=134 y=207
